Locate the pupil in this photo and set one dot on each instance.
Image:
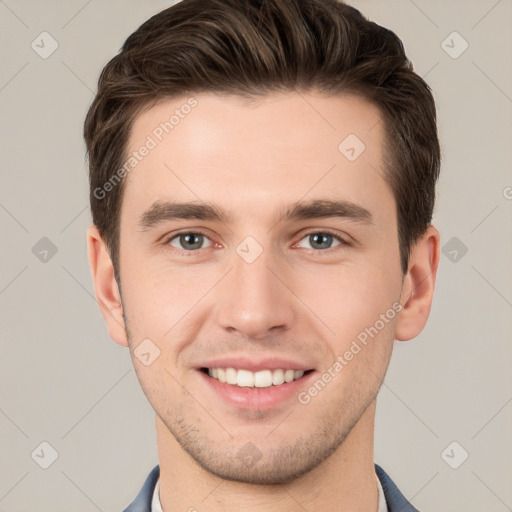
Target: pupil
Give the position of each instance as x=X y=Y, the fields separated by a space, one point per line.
x=322 y=240
x=191 y=239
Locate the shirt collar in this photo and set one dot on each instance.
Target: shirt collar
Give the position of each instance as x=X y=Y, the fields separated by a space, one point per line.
x=156 y=506
x=383 y=507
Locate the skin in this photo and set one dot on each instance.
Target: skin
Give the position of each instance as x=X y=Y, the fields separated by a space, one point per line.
x=295 y=300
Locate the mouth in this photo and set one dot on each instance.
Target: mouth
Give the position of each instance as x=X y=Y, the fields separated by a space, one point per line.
x=246 y=382
x=244 y=378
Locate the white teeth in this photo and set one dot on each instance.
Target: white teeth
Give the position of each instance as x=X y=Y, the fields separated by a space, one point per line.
x=263 y=379
x=260 y=379
x=277 y=377
x=245 y=379
x=231 y=376
x=288 y=375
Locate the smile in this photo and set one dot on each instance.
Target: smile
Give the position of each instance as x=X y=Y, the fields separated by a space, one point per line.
x=259 y=379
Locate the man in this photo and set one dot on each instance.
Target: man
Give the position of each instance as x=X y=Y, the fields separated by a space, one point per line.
x=262 y=185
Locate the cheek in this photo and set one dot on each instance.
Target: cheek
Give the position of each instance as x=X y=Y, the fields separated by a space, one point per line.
x=156 y=296
x=349 y=298
x=363 y=359
x=357 y=305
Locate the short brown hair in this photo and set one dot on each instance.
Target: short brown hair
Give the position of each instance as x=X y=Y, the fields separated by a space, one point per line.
x=254 y=47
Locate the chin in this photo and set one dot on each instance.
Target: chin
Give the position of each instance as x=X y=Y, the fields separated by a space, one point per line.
x=268 y=466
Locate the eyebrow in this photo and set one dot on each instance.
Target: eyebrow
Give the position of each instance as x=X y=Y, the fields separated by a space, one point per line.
x=162 y=211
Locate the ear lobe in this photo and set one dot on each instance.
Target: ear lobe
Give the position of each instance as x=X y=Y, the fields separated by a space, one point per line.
x=418 y=286
x=105 y=286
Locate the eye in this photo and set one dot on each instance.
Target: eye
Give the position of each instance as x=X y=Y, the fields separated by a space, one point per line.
x=189 y=240
x=321 y=240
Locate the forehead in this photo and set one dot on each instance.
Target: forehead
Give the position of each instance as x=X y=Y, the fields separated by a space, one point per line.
x=246 y=155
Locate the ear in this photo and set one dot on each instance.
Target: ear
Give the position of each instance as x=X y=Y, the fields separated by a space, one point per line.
x=418 y=286
x=105 y=285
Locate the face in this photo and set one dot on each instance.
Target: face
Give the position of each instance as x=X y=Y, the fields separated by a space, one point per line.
x=258 y=243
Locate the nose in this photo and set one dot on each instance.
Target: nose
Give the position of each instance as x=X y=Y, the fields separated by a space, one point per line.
x=254 y=303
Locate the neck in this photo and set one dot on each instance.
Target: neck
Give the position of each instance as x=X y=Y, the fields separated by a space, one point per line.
x=343 y=482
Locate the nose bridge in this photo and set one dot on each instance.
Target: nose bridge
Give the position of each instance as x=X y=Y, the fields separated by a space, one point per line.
x=251 y=278
x=254 y=301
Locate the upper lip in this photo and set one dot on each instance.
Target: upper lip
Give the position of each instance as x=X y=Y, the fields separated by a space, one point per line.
x=255 y=365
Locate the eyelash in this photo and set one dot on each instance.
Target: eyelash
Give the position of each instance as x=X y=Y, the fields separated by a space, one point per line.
x=183 y=252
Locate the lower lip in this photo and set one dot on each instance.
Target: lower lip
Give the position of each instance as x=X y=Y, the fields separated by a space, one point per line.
x=256 y=398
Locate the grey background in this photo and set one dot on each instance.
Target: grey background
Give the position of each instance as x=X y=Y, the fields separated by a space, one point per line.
x=63 y=381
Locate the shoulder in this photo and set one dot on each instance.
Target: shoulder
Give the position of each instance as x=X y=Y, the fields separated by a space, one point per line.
x=142 y=502
x=395 y=500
